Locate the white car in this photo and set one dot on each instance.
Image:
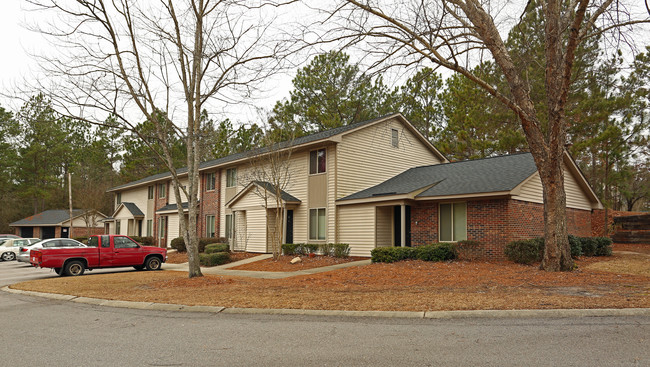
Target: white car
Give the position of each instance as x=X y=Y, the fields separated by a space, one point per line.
x=23 y=252
x=9 y=249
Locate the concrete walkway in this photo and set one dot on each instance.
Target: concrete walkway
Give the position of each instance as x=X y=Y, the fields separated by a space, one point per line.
x=225 y=269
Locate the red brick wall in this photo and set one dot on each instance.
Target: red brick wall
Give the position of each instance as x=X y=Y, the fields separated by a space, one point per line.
x=600 y=227
x=159 y=203
x=424 y=223
x=209 y=204
x=494 y=223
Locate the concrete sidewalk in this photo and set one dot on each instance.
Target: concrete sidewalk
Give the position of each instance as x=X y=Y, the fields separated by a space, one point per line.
x=225 y=269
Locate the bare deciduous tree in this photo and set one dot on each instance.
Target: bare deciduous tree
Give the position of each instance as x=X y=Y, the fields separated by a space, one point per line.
x=454 y=34
x=270 y=173
x=165 y=61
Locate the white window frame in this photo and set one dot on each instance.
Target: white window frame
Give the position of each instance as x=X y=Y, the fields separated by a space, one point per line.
x=149 y=227
x=317 y=171
x=210 y=181
x=150 y=192
x=230 y=224
x=394 y=138
x=210 y=225
x=231 y=175
x=161 y=227
x=452 y=221
x=118 y=198
x=317 y=210
x=118 y=226
x=162 y=191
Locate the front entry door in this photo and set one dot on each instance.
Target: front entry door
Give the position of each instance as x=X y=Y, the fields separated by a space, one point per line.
x=289 y=235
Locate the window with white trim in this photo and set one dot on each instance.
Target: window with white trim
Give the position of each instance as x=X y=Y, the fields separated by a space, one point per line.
x=452 y=222
x=395 y=138
x=231 y=177
x=317 y=161
x=118 y=198
x=162 y=188
x=317 y=224
x=210 y=181
x=149 y=227
x=150 y=192
x=161 y=227
x=230 y=222
x=209 y=225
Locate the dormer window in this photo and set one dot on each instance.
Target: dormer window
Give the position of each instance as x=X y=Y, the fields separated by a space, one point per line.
x=317 y=161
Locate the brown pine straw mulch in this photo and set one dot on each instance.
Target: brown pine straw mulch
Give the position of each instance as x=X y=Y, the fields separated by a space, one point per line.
x=632 y=247
x=283 y=263
x=407 y=286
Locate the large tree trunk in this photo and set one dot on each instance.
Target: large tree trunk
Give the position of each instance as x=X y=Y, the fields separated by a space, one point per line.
x=557 y=252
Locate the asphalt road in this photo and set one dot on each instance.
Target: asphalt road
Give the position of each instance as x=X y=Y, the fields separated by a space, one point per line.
x=37 y=331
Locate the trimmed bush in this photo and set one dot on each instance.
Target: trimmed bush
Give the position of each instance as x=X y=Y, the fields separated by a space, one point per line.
x=216 y=247
x=589 y=245
x=291 y=249
x=433 y=252
x=437 y=252
x=327 y=249
x=143 y=241
x=392 y=254
x=576 y=246
x=178 y=244
x=341 y=250
x=603 y=246
x=525 y=251
x=309 y=248
x=214 y=259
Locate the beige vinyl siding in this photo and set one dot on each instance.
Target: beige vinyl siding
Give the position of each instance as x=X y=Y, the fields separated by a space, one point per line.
x=384 y=225
x=575 y=197
x=255 y=230
x=299 y=171
x=172 y=228
x=357 y=228
x=171 y=196
x=367 y=157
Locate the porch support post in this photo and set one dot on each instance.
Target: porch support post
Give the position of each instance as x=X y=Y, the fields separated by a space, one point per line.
x=403 y=224
x=284 y=226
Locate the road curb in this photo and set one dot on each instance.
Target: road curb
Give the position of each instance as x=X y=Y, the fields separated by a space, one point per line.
x=494 y=314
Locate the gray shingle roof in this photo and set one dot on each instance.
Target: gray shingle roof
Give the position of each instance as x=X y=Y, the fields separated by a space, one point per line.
x=169 y=207
x=495 y=174
x=133 y=209
x=237 y=156
x=47 y=218
x=271 y=188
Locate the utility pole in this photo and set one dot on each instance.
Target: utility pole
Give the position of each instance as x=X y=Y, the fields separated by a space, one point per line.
x=70 y=202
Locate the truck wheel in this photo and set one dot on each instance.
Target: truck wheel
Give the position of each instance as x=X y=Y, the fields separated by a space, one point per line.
x=153 y=263
x=8 y=256
x=74 y=268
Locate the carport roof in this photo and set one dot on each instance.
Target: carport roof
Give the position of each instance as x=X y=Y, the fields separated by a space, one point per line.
x=47 y=218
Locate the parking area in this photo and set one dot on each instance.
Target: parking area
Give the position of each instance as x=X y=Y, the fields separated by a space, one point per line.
x=12 y=272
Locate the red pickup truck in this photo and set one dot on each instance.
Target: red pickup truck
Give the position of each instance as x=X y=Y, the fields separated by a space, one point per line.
x=103 y=251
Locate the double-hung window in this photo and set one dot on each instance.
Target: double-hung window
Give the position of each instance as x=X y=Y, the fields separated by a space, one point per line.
x=161 y=227
x=317 y=161
x=209 y=226
x=317 y=224
x=231 y=177
x=210 y=181
x=395 y=138
x=162 y=188
x=230 y=223
x=149 y=227
x=453 y=222
x=150 y=192
x=118 y=198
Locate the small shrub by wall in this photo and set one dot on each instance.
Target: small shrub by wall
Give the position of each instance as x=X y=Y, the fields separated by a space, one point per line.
x=214 y=259
x=433 y=252
x=532 y=250
x=216 y=247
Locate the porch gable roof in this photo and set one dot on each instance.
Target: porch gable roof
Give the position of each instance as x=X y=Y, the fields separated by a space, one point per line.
x=268 y=187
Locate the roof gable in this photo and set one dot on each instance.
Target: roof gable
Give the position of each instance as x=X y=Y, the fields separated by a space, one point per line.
x=265 y=187
x=48 y=218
